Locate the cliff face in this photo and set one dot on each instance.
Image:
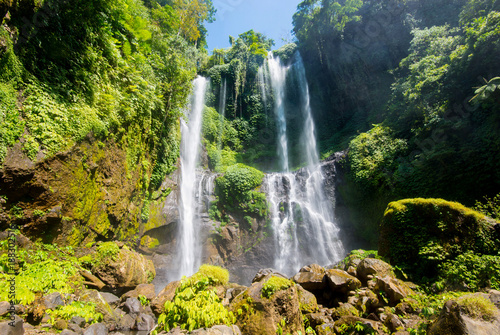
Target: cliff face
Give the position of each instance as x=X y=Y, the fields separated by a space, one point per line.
x=87 y=193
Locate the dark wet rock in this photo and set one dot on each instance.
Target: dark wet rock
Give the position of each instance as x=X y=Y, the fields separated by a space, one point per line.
x=111 y=299
x=144 y=322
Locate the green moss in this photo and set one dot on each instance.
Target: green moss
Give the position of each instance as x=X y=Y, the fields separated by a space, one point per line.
x=275 y=284
x=149 y=242
x=107 y=251
x=478 y=307
x=216 y=273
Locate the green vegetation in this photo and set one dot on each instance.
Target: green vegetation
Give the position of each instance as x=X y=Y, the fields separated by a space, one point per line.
x=85 y=310
x=444 y=235
x=43 y=268
x=236 y=191
x=275 y=284
x=196 y=304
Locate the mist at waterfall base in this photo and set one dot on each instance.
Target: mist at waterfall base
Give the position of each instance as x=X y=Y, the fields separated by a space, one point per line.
x=301 y=214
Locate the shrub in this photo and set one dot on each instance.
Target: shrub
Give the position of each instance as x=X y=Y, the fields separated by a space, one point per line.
x=195 y=304
x=85 y=310
x=471 y=272
x=236 y=189
x=439 y=231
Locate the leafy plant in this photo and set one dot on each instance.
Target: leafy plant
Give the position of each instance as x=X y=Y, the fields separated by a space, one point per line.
x=85 y=310
x=196 y=304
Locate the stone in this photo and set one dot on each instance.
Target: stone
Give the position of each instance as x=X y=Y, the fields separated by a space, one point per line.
x=311 y=277
x=132 y=306
x=144 y=322
x=4 y=308
x=167 y=294
x=263 y=273
x=393 y=323
x=127 y=270
x=218 y=330
x=307 y=301
x=373 y=267
x=60 y=324
x=454 y=320
x=96 y=329
x=341 y=281
x=370 y=325
x=76 y=328
x=494 y=297
x=345 y=309
x=101 y=305
x=146 y=290
x=126 y=322
x=78 y=320
x=326 y=329
x=68 y=332
x=260 y=315
x=53 y=300
x=316 y=319
x=395 y=289
x=12 y=327
x=111 y=299
x=367 y=301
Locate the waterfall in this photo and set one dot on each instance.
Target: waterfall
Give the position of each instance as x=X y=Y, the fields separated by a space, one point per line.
x=188 y=245
x=302 y=216
x=277 y=74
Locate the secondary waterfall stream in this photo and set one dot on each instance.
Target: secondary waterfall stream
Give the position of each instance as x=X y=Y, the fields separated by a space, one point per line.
x=302 y=216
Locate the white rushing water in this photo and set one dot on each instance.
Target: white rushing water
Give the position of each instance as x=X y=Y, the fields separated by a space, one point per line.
x=277 y=74
x=188 y=245
x=302 y=215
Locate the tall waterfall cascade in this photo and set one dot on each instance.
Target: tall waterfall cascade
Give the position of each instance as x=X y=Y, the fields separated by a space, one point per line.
x=302 y=215
x=188 y=246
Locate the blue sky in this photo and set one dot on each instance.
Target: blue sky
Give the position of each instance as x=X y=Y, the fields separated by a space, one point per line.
x=273 y=18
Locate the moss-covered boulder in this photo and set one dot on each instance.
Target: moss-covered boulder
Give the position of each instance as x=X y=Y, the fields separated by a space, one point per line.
x=121 y=267
x=420 y=234
x=469 y=314
x=270 y=306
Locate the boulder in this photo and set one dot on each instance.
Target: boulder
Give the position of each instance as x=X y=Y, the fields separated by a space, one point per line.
x=311 y=277
x=12 y=327
x=307 y=300
x=68 y=332
x=263 y=273
x=78 y=320
x=318 y=318
x=494 y=297
x=367 y=301
x=470 y=314
x=341 y=282
x=144 y=322
x=259 y=315
x=128 y=269
x=146 y=290
x=373 y=267
x=167 y=294
x=4 y=308
x=393 y=323
x=111 y=299
x=394 y=289
x=96 y=329
x=101 y=305
x=53 y=300
x=345 y=309
x=218 y=330
x=369 y=325
x=131 y=306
